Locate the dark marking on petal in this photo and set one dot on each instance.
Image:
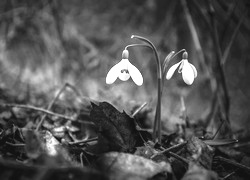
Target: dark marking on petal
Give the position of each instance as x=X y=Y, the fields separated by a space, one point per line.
x=124 y=70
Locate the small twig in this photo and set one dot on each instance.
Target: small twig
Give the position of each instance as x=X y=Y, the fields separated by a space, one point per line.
x=38 y=109
x=85 y=158
x=170 y=149
x=218 y=130
x=56 y=98
x=229 y=175
x=139 y=109
x=50 y=106
x=82 y=156
x=137 y=125
x=84 y=141
x=15 y=145
x=226 y=51
x=236 y=164
x=184 y=160
x=71 y=136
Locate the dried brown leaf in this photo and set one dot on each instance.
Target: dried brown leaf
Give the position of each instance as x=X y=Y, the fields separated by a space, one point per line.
x=117 y=131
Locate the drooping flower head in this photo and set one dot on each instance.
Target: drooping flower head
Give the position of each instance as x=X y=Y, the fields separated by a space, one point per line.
x=124 y=70
x=189 y=72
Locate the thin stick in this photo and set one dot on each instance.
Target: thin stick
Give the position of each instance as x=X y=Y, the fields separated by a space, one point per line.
x=85 y=158
x=236 y=164
x=139 y=109
x=81 y=157
x=38 y=109
x=229 y=175
x=84 y=141
x=50 y=106
x=170 y=149
x=218 y=130
x=56 y=98
x=226 y=51
x=185 y=161
x=15 y=145
x=137 y=125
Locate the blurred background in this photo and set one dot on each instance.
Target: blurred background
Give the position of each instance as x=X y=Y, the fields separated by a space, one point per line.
x=47 y=43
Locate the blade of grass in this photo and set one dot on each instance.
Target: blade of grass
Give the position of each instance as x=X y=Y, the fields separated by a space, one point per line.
x=234 y=35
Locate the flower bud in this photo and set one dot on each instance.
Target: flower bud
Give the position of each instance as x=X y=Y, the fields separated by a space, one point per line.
x=185 y=55
x=125 y=54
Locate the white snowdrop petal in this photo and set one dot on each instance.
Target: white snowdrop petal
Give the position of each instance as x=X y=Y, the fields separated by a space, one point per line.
x=187 y=73
x=124 y=76
x=172 y=70
x=194 y=70
x=180 y=67
x=124 y=63
x=113 y=73
x=135 y=74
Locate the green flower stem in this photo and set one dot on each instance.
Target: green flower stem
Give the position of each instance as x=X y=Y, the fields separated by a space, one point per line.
x=157 y=122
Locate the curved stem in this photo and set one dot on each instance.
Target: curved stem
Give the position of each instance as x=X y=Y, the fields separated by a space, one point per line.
x=155 y=53
x=166 y=61
x=164 y=66
x=157 y=122
x=178 y=53
x=169 y=57
x=132 y=45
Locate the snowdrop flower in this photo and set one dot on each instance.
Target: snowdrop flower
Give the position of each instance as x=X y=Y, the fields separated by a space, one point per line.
x=124 y=69
x=189 y=72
